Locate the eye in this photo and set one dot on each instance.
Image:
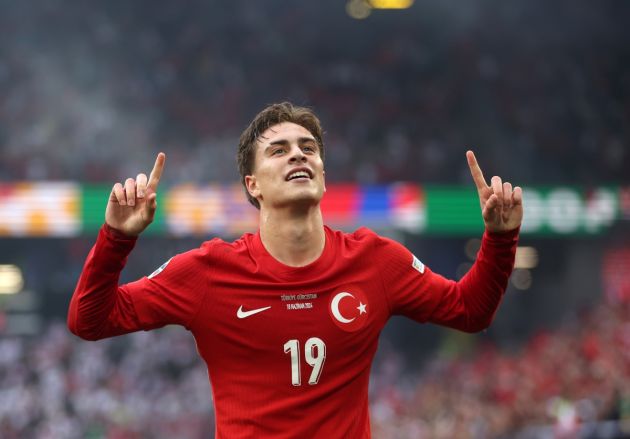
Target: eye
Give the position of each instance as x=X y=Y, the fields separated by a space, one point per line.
x=277 y=151
x=309 y=148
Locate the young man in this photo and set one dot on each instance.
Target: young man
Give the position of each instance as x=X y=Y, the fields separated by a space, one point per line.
x=287 y=319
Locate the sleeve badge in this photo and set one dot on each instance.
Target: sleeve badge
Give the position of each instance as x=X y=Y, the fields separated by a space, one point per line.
x=416 y=264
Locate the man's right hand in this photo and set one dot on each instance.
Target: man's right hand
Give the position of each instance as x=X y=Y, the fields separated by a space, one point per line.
x=131 y=207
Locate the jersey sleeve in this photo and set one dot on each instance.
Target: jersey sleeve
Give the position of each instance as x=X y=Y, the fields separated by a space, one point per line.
x=469 y=304
x=100 y=308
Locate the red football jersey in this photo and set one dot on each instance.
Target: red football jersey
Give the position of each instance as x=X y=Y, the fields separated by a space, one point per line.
x=288 y=349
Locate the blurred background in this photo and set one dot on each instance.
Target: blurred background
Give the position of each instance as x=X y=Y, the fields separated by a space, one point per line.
x=91 y=91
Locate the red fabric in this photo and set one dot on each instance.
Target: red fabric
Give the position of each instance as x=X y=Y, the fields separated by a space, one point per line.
x=327 y=315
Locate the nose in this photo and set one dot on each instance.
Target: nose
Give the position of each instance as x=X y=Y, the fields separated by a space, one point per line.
x=297 y=155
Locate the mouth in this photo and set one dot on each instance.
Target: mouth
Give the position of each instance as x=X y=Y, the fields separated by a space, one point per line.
x=300 y=174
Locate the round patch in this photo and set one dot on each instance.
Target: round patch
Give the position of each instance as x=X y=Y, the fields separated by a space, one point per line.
x=349 y=310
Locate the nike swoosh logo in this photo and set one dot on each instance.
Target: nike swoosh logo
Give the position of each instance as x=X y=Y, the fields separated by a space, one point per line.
x=242 y=314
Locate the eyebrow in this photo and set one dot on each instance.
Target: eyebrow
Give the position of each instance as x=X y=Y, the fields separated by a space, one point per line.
x=300 y=140
x=282 y=142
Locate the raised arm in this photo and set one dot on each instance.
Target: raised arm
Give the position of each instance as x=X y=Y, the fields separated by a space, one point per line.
x=99 y=307
x=470 y=303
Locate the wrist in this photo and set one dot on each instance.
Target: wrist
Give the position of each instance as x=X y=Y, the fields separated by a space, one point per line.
x=503 y=235
x=116 y=233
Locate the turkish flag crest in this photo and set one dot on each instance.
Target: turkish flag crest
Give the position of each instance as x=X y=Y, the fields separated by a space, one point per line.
x=349 y=310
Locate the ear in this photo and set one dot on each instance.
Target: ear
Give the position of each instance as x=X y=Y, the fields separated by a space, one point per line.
x=324 y=175
x=252 y=186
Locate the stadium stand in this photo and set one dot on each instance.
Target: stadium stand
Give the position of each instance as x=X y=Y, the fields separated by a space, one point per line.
x=400 y=98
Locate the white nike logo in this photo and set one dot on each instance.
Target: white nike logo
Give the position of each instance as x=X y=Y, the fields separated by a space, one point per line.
x=242 y=314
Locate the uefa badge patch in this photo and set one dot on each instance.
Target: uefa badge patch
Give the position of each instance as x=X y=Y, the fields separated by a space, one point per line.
x=417 y=264
x=159 y=270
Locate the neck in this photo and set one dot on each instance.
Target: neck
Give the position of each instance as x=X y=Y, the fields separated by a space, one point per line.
x=294 y=238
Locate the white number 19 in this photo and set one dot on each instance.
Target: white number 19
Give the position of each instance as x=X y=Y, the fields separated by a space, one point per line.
x=314 y=354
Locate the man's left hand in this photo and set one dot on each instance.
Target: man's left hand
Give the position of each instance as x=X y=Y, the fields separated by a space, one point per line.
x=501 y=206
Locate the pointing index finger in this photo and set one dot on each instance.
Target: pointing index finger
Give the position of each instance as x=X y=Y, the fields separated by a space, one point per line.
x=475 y=171
x=156 y=173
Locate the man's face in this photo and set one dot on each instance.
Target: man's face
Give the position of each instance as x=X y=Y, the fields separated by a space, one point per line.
x=288 y=168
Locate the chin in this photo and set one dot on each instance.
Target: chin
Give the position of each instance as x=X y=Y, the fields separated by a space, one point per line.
x=305 y=198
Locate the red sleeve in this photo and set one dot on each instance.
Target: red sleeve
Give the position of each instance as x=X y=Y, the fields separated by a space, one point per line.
x=469 y=305
x=99 y=308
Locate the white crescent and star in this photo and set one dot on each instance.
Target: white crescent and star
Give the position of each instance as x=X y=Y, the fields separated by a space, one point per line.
x=334 y=307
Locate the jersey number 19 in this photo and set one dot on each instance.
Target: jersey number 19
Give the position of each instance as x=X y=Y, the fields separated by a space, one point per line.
x=314 y=354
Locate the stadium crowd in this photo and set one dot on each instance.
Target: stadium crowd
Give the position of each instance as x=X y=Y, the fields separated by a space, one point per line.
x=541 y=88
x=152 y=385
x=148 y=385
x=576 y=374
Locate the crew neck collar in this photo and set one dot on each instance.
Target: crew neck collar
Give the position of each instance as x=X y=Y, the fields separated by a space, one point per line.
x=276 y=267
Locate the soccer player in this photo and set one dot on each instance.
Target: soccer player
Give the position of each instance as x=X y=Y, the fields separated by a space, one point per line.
x=287 y=319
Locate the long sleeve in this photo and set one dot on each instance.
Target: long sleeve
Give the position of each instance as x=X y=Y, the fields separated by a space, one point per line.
x=100 y=308
x=469 y=304
x=96 y=296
